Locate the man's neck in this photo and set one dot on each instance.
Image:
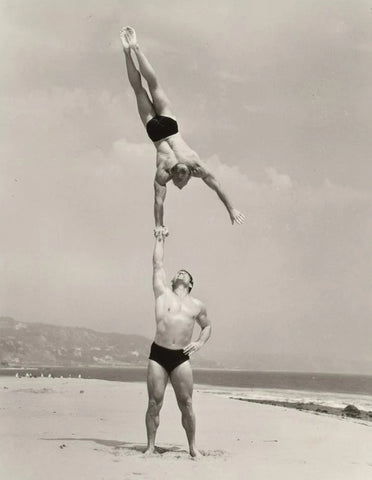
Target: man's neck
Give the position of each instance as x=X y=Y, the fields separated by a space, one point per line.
x=181 y=291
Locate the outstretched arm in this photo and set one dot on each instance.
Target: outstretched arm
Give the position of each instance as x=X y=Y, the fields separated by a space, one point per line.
x=206 y=330
x=213 y=183
x=158 y=276
x=160 y=191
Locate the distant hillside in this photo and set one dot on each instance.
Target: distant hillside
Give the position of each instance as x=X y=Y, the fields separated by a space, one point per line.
x=27 y=344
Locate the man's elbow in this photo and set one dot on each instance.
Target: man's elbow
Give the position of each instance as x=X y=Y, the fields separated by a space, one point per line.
x=207 y=327
x=159 y=201
x=213 y=183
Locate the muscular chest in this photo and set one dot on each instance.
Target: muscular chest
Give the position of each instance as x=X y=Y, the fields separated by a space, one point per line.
x=173 y=306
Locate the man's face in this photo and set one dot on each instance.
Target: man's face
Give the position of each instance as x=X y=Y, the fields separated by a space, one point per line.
x=182 y=278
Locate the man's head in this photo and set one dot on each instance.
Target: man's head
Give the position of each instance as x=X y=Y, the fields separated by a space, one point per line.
x=181 y=174
x=182 y=277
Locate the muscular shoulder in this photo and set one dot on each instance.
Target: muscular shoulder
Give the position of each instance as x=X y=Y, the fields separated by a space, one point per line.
x=162 y=175
x=198 y=304
x=198 y=172
x=199 y=169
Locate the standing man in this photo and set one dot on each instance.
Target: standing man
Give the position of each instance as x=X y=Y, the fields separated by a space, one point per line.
x=176 y=312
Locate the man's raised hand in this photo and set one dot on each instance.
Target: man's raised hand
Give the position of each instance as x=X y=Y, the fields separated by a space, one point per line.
x=161 y=232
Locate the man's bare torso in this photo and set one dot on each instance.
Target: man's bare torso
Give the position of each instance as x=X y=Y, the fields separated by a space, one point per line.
x=175 y=319
x=173 y=150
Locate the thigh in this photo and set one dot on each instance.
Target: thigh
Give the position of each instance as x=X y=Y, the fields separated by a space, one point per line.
x=182 y=381
x=157 y=379
x=145 y=107
x=161 y=102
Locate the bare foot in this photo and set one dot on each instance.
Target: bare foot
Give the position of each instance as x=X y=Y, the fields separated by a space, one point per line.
x=131 y=36
x=124 y=40
x=195 y=454
x=149 y=452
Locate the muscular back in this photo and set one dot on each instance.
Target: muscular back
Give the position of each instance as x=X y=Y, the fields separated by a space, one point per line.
x=175 y=150
x=175 y=319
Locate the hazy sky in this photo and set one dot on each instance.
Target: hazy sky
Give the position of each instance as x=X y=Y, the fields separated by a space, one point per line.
x=275 y=96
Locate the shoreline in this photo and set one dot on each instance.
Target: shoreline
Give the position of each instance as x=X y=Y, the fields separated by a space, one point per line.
x=37 y=366
x=315 y=408
x=327 y=403
x=318 y=403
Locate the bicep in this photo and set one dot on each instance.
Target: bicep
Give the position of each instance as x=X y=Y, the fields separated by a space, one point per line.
x=160 y=181
x=202 y=318
x=211 y=181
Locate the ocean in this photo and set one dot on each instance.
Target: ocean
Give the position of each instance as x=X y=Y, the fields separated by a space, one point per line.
x=336 y=390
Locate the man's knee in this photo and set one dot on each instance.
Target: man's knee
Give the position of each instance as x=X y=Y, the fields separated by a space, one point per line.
x=139 y=90
x=153 y=83
x=136 y=82
x=185 y=403
x=154 y=406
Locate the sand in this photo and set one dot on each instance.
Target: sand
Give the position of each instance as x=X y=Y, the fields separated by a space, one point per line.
x=94 y=429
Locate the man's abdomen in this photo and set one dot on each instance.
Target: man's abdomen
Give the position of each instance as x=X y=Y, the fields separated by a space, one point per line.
x=173 y=333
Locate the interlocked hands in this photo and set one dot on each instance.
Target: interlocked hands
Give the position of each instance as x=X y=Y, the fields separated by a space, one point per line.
x=161 y=232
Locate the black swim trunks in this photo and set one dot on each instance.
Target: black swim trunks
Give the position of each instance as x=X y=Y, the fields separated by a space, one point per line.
x=167 y=358
x=160 y=127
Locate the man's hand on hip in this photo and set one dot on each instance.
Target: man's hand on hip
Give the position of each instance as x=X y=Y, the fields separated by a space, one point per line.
x=192 y=348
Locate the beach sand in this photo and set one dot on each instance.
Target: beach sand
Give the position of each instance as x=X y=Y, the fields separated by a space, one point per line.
x=93 y=429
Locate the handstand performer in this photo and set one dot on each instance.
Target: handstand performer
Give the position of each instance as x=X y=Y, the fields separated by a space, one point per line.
x=174 y=158
x=175 y=313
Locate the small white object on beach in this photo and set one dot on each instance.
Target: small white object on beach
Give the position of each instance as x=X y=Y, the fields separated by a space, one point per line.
x=79 y=376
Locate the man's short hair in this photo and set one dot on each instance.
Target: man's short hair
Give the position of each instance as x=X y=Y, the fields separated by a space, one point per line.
x=178 y=168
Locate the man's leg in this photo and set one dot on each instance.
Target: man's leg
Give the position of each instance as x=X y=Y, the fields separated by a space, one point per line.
x=159 y=98
x=157 y=379
x=144 y=104
x=182 y=382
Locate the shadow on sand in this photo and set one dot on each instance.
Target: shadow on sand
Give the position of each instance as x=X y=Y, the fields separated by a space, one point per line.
x=132 y=448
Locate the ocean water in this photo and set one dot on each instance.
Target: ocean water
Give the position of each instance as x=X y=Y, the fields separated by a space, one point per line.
x=326 y=399
x=336 y=390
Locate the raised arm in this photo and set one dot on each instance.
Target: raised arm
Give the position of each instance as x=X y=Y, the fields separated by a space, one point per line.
x=158 y=275
x=215 y=185
x=206 y=330
x=160 y=191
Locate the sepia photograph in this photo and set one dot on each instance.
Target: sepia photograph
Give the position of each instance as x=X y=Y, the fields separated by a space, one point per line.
x=186 y=240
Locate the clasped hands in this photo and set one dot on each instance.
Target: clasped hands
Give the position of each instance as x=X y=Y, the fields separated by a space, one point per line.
x=161 y=232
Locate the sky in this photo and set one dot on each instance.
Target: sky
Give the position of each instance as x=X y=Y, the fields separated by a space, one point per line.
x=274 y=96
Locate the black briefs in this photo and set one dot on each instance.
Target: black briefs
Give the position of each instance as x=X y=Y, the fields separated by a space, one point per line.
x=167 y=358
x=160 y=127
